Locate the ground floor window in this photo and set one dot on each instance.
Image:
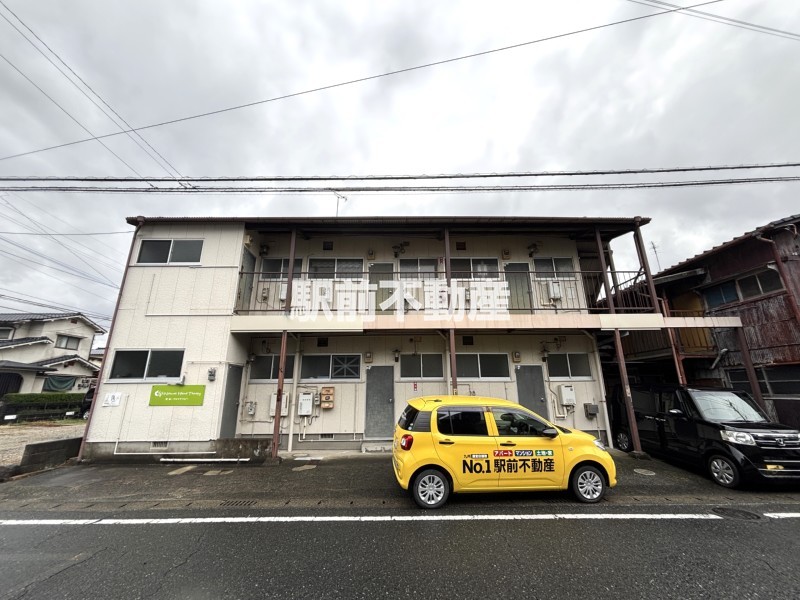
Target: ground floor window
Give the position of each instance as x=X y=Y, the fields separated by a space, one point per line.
x=421 y=366
x=331 y=366
x=482 y=366
x=569 y=365
x=142 y=364
x=265 y=368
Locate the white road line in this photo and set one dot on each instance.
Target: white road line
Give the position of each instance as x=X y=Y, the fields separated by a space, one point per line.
x=374 y=519
x=782 y=515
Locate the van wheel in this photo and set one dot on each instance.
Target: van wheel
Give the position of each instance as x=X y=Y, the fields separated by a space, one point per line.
x=588 y=484
x=431 y=489
x=724 y=471
x=623 y=441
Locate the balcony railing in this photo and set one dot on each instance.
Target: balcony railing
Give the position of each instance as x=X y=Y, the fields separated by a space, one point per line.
x=690 y=341
x=385 y=292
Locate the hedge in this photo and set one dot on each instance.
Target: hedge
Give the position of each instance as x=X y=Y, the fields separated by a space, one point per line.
x=44 y=405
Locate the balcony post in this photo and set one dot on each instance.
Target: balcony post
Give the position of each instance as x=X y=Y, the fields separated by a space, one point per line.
x=640 y=249
x=623 y=369
x=677 y=355
x=747 y=361
x=276 y=430
x=451 y=333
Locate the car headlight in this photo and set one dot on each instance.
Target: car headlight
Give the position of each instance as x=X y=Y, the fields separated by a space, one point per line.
x=738 y=437
x=599 y=444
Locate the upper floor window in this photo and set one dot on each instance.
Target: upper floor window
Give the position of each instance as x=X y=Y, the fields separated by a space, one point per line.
x=278 y=268
x=68 y=342
x=335 y=268
x=569 y=365
x=474 y=268
x=421 y=366
x=553 y=268
x=418 y=268
x=146 y=364
x=482 y=366
x=266 y=368
x=6 y=333
x=331 y=366
x=170 y=251
x=757 y=284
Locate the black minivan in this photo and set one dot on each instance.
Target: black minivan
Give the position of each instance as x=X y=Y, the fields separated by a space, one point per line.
x=722 y=430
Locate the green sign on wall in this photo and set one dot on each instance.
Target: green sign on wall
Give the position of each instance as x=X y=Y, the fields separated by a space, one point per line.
x=177 y=395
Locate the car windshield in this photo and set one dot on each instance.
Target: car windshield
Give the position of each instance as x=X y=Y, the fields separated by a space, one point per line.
x=722 y=406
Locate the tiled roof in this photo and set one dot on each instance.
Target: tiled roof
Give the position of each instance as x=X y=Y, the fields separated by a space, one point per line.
x=12 y=365
x=26 y=317
x=786 y=222
x=25 y=341
x=57 y=360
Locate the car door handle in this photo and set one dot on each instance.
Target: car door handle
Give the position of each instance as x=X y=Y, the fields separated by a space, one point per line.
x=508 y=444
x=446 y=442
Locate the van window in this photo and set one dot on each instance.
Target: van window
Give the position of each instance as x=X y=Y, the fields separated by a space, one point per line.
x=722 y=406
x=644 y=401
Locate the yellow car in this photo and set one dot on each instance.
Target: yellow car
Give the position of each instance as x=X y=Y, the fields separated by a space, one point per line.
x=474 y=444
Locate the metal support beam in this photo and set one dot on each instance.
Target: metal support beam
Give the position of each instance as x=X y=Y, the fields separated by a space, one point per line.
x=752 y=378
x=451 y=334
x=642 y=251
x=674 y=346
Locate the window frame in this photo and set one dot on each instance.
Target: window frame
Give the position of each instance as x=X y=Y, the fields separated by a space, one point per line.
x=144 y=377
x=10 y=336
x=422 y=375
x=473 y=274
x=480 y=377
x=169 y=260
x=737 y=287
x=554 y=274
x=288 y=377
x=284 y=274
x=330 y=376
x=336 y=276
x=416 y=273
x=570 y=377
x=64 y=336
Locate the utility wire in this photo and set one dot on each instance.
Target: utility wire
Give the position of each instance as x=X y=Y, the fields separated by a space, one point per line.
x=64 y=110
x=363 y=79
x=427 y=189
x=40 y=304
x=699 y=14
x=64 y=234
x=508 y=174
x=82 y=91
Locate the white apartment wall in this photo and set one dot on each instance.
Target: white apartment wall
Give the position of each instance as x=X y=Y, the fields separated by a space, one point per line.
x=173 y=307
x=347 y=417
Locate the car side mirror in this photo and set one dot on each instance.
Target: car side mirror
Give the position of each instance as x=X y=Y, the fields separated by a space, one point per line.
x=550 y=432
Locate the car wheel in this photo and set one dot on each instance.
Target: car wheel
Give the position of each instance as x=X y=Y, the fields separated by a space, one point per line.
x=723 y=471
x=588 y=484
x=623 y=441
x=431 y=489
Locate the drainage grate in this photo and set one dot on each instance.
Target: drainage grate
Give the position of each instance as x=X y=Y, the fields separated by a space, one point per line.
x=158 y=444
x=737 y=513
x=239 y=503
x=326 y=436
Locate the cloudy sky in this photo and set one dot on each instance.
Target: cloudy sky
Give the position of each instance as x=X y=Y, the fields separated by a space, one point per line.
x=667 y=91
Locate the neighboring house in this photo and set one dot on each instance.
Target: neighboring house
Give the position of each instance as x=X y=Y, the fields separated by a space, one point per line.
x=756 y=277
x=46 y=352
x=377 y=310
x=96 y=356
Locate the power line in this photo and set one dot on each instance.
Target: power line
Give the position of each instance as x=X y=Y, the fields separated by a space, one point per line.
x=362 y=79
x=64 y=234
x=40 y=304
x=427 y=189
x=699 y=14
x=487 y=175
x=61 y=60
x=66 y=112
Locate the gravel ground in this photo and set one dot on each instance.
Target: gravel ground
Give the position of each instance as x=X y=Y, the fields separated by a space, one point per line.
x=13 y=438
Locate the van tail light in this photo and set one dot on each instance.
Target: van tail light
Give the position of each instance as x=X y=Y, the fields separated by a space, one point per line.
x=406 y=441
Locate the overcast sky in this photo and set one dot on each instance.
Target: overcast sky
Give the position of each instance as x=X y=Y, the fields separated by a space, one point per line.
x=672 y=90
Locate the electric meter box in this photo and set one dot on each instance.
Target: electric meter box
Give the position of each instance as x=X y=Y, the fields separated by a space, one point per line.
x=566 y=395
x=326 y=397
x=273 y=400
x=305 y=404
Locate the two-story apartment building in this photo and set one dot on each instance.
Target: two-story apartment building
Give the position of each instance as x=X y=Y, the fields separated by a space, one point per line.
x=348 y=318
x=46 y=352
x=755 y=276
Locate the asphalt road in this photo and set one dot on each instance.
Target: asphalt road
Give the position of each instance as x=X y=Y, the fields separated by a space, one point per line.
x=341 y=528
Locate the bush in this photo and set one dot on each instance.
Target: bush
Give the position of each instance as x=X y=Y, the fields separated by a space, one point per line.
x=46 y=405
